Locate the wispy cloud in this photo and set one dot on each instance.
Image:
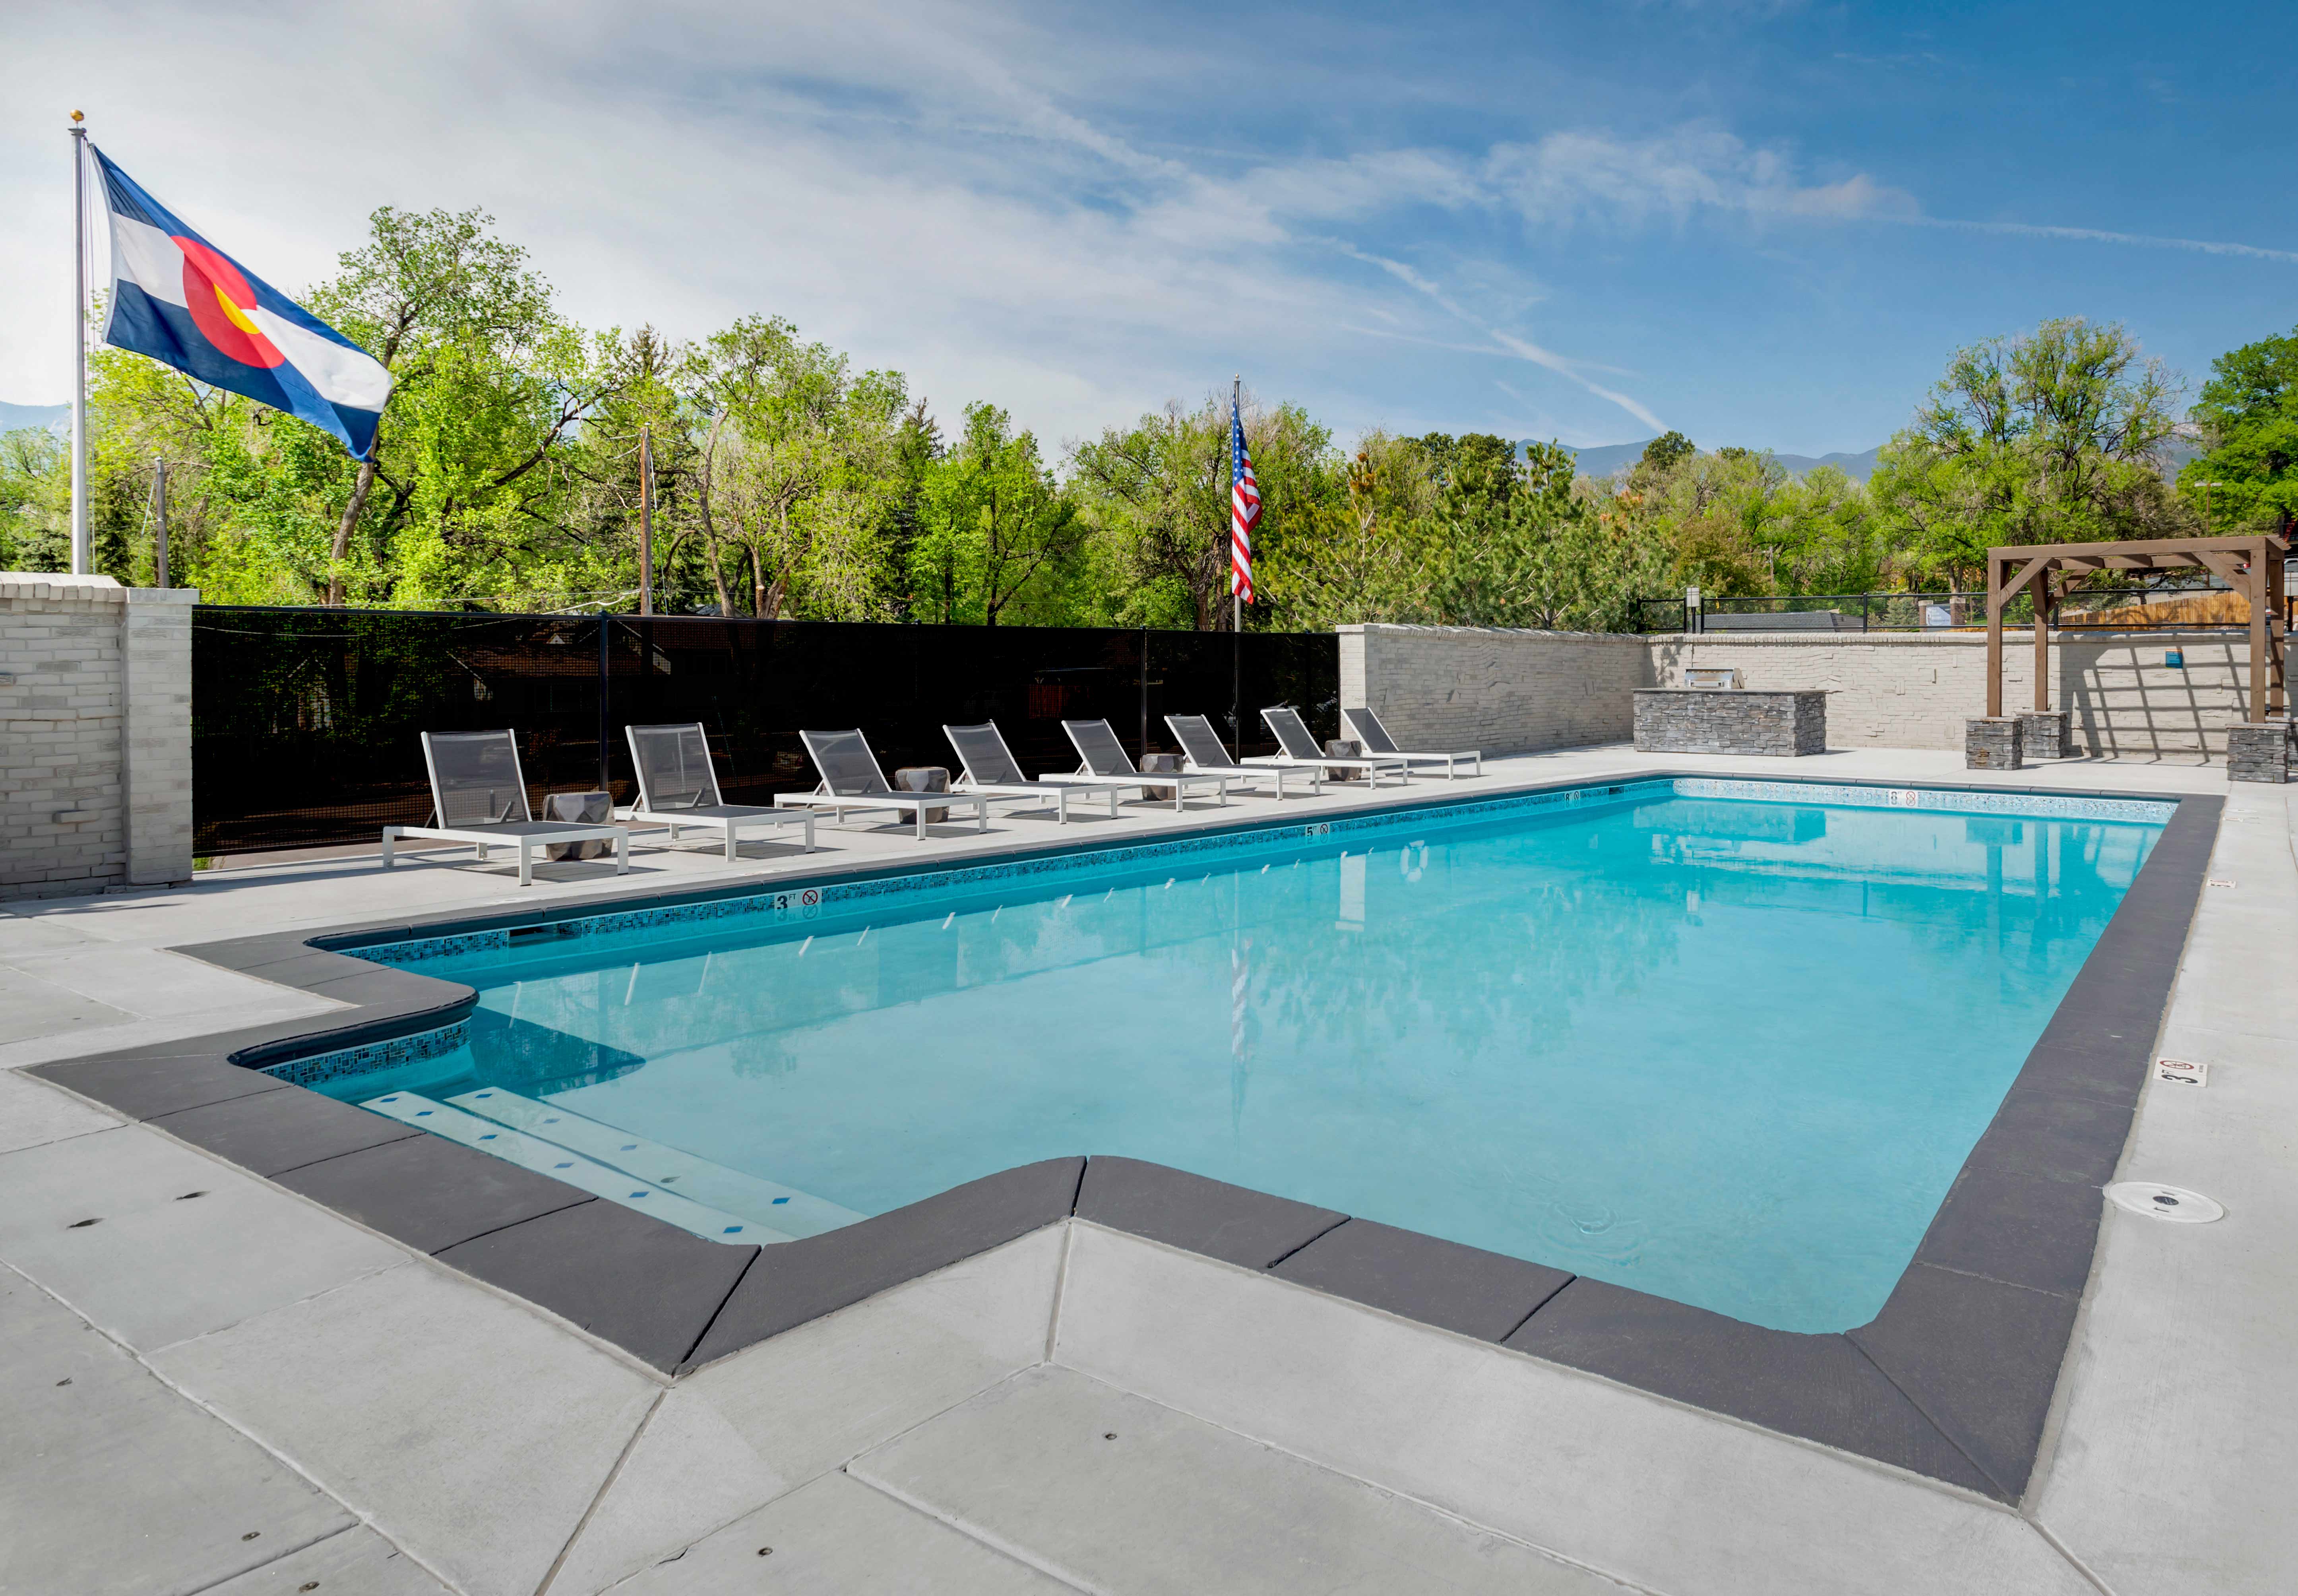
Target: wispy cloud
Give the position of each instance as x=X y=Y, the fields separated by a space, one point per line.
x=2100 y=236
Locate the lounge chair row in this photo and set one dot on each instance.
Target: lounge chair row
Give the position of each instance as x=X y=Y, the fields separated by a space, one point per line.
x=478 y=791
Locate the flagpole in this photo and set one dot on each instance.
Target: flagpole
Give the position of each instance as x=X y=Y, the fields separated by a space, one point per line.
x=1235 y=593
x=80 y=550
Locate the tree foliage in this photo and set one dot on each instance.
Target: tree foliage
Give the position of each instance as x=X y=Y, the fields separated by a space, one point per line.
x=2052 y=437
x=517 y=450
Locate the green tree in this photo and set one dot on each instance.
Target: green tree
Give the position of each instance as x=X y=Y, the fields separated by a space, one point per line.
x=1666 y=452
x=2054 y=436
x=1158 y=491
x=996 y=531
x=2248 y=413
x=797 y=461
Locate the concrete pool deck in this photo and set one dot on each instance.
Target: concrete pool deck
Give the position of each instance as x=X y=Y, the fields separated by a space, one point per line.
x=1050 y=1415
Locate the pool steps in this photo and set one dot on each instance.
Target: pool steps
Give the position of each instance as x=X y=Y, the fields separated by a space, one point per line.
x=564 y=1163
x=785 y=1209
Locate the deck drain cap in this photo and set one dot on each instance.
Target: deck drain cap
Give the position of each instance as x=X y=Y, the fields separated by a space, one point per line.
x=2173 y=1202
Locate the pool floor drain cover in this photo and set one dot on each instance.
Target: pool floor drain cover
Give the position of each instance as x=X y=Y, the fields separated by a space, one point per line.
x=2173 y=1202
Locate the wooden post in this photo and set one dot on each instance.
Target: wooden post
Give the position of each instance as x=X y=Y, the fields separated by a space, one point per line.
x=2257 y=629
x=1993 y=635
x=2277 y=665
x=2040 y=593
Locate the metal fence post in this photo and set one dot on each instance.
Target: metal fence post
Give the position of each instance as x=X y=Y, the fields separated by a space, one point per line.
x=606 y=679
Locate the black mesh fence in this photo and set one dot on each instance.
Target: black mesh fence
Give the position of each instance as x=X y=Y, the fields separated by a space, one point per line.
x=305 y=722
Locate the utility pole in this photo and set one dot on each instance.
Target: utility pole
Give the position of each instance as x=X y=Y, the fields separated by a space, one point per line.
x=80 y=543
x=646 y=520
x=159 y=522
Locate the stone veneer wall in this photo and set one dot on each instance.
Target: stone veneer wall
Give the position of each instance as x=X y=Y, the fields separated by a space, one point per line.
x=96 y=735
x=1442 y=689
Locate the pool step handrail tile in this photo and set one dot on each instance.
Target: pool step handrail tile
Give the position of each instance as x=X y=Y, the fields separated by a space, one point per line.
x=562 y=1163
x=784 y=1209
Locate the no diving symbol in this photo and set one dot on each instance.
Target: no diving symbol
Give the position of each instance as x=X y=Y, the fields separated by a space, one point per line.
x=810 y=898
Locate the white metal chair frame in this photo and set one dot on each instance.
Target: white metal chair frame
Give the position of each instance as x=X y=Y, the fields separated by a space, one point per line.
x=884 y=796
x=1187 y=728
x=1087 y=772
x=1019 y=786
x=1301 y=750
x=525 y=833
x=1367 y=724
x=717 y=813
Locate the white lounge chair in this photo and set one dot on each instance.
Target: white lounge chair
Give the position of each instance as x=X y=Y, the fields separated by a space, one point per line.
x=1364 y=725
x=478 y=795
x=1301 y=751
x=678 y=786
x=989 y=767
x=852 y=782
x=1201 y=750
x=1105 y=759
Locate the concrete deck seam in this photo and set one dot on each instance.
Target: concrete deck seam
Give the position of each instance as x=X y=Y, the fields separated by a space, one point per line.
x=279 y=1307
x=2073 y=1562
x=1449 y=1515
x=1060 y=1289
x=349 y=1529
x=622 y=1458
x=285 y=1460
x=979 y=1537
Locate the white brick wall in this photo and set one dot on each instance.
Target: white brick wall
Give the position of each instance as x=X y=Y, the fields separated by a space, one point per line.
x=94 y=735
x=1915 y=690
x=1439 y=689
x=1517 y=692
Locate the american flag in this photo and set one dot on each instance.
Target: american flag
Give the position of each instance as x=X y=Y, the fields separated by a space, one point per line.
x=1244 y=507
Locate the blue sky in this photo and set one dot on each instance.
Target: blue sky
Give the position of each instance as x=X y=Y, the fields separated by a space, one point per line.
x=1761 y=224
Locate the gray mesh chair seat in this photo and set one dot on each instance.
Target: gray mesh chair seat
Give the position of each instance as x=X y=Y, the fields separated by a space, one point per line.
x=851 y=783
x=1104 y=759
x=678 y=786
x=1365 y=726
x=1201 y=749
x=990 y=768
x=478 y=795
x=1301 y=750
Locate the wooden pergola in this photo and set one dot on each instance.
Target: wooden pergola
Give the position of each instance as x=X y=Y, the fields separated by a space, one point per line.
x=2251 y=565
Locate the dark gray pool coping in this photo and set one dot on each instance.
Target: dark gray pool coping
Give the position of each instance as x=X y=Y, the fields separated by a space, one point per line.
x=1952 y=1380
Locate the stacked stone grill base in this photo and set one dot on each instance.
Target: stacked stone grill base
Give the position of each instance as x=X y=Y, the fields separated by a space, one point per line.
x=1741 y=721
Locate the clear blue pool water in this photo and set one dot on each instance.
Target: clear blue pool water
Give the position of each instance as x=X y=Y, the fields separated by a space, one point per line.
x=1731 y=1053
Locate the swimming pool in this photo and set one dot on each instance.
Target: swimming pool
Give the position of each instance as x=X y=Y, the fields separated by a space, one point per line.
x=1726 y=1043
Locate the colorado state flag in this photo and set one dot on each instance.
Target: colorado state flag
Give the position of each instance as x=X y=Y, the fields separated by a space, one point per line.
x=178 y=299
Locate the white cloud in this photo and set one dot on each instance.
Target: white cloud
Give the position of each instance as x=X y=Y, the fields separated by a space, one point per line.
x=955 y=191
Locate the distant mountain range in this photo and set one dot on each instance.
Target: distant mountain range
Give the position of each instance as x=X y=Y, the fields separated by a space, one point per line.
x=13 y=417
x=1609 y=458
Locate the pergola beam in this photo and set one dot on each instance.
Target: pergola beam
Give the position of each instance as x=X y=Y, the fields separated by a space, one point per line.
x=2251 y=565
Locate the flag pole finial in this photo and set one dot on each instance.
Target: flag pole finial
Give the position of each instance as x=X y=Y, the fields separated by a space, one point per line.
x=77 y=118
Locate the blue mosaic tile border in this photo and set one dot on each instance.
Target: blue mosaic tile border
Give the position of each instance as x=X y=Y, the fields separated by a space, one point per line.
x=806 y=902
x=1938 y=800
x=371 y=1056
